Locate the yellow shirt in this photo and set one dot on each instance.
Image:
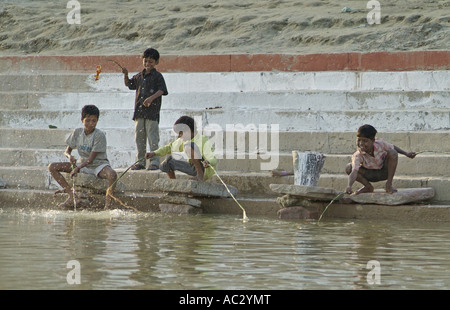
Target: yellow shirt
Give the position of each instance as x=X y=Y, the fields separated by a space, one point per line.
x=203 y=144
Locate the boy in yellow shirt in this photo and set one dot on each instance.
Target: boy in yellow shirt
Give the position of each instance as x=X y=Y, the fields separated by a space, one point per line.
x=196 y=147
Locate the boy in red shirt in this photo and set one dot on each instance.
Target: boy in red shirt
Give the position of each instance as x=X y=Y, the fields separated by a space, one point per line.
x=375 y=160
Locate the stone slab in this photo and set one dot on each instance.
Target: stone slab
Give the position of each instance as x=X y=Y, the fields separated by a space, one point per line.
x=179 y=208
x=92 y=183
x=290 y=201
x=402 y=196
x=179 y=199
x=308 y=192
x=193 y=188
x=298 y=213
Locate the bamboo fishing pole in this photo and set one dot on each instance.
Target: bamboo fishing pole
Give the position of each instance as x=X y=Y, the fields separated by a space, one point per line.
x=109 y=189
x=244 y=215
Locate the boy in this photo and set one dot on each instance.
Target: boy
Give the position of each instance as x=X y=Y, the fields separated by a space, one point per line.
x=197 y=148
x=375 y=160
x=91 y=145
x=150 y=86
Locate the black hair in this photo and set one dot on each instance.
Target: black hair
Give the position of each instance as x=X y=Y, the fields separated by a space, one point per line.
x=366 y=131
x=89 y=110
x=152 y=53
x=186 y=120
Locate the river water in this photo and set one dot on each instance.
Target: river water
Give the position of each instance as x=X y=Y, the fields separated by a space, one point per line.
x=48 y=249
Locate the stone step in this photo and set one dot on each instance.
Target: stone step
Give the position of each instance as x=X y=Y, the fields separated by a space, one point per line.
x=256 y=184
x=254 y=206
x=298 y=100
x=427 y=164
x=237 y=81
x=383 y=120
x=325 y=142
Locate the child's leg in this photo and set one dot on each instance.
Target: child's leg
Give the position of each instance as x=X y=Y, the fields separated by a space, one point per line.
x=55 y=170
x=196 y=159
x=367 y=187
x=152 y=128
x=391 y=162
x=168 y=167
x=140 y=137
x=109 y=174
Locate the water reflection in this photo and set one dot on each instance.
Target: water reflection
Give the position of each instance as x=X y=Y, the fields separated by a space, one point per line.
x=125 y=250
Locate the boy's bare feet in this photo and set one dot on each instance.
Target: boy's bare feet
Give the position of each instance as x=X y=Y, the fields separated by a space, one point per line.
x=390 y=189
x=365 y=189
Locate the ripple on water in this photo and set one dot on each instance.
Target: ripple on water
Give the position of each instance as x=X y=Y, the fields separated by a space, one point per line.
x=124 y=249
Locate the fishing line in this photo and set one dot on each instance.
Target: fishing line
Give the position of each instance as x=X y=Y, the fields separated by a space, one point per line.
x=244 y=215
x=335 y=198
x=73 y=189
x=109 y=189
x=115 y=63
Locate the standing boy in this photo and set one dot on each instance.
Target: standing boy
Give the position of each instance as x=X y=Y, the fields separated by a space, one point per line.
x=150 y=86
x=375 y=160
x=91 y=145
x=195 y=146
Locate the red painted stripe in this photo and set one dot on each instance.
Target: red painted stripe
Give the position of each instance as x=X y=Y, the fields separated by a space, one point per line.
x=376 y=61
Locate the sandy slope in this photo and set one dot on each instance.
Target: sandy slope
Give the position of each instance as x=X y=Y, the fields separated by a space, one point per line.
x=219 y=27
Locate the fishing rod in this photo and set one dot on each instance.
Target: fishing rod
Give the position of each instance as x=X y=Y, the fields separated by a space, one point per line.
x=109 y=189
x=244 y=215
x=335 y=198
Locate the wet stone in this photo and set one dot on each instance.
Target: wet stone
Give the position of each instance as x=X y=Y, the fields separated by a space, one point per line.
x=179 y=208
x=289 y=201
x=193 y=188
x=298 y=213
x=308 y=192
x=402 y=196
x=174 y=198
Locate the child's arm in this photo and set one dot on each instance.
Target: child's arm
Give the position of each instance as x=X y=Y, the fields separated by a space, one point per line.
x=68 y=154
x=351 y=179
x=84 y=164
x=149 y=100
x=407 y=154
x=126 y=79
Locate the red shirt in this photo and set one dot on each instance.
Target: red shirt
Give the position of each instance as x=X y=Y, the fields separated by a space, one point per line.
x=380 y=149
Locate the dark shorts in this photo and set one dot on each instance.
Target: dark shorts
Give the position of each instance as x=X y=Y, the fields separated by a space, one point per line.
x=170 y=164
x=374 y=175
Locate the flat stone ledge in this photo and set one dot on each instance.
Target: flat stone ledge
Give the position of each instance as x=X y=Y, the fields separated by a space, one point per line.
x=193 y=188
x=308 y=192
x=401 y=197
x=172 y=198
x=179 y=208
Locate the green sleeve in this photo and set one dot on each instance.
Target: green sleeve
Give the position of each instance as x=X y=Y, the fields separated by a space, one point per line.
x=164 y=150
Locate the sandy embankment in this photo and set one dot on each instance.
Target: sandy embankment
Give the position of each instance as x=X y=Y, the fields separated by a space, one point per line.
x=221 y=27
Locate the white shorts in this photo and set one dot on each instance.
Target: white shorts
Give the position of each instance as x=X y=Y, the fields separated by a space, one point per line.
x=95 y=171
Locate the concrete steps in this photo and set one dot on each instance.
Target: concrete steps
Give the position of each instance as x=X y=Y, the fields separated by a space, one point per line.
x=248 y=183
x=316 y=111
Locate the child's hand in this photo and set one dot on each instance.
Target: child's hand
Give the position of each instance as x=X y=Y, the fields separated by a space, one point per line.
x=411 y=154
x=73 y=160
x=74 y=172
x=206 y=164
x=149 y=155
x=348 y=190
x=148 y=102
x=124 y=71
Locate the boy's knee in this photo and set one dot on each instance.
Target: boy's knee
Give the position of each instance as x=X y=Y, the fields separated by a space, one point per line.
x=348 y=168
x=51 y=167
x=165 y=166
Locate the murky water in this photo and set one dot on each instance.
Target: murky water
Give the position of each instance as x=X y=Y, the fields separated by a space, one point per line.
x=125 y=250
